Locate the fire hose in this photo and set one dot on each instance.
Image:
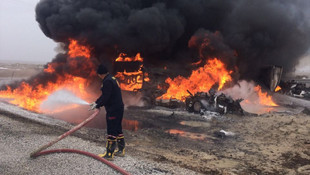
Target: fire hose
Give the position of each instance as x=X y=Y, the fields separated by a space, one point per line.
x=40 y=151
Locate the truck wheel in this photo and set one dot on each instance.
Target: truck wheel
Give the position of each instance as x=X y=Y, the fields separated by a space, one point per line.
x=197 y=106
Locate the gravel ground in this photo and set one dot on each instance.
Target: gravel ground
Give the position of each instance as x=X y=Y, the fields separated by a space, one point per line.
x=20 y=136
x=271 y=143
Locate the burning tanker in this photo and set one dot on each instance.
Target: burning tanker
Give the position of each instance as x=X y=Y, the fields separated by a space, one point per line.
x=203 y=44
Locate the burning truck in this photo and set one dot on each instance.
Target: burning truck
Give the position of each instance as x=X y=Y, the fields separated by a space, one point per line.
x=134 y=79
x=130 y=72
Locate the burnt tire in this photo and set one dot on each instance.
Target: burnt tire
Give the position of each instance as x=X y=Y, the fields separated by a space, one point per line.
x=197 y=106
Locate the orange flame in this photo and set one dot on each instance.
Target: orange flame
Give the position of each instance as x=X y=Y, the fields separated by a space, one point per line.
x=122 y=57
x=131 y=81
x=50 y=68
x=31 y=96
x=76 y=50
x=201 y=79
x=190 y=135
x=146 y=77
x=264 y=98
x=277 y=88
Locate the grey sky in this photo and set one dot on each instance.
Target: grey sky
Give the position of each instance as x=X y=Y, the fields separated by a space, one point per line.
x=21 y=38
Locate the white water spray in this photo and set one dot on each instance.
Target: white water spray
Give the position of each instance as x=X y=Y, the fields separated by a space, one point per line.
x=61 y=98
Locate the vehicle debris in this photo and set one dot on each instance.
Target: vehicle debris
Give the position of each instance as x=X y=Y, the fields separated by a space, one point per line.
x=211 y=101
x=295 y=89
x=222 y=134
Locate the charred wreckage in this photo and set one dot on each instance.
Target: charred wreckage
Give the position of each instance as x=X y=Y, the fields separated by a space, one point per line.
x=205 y=101
x=133 y=77
x=135 y=73
x=212 y=101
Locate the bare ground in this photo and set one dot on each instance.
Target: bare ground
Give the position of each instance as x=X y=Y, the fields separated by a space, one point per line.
x=266 y=144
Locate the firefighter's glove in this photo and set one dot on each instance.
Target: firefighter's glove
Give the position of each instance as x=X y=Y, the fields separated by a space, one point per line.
x=93 y=106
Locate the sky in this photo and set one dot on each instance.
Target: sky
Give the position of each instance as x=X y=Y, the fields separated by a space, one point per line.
x=21 y=38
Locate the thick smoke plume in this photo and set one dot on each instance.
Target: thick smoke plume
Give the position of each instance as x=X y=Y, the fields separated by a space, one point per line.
x=247 y=34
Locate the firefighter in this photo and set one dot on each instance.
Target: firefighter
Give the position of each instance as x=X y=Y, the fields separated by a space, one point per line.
x=111 y=99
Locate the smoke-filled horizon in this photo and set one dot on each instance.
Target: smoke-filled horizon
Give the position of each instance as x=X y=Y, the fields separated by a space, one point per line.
x=244 y=34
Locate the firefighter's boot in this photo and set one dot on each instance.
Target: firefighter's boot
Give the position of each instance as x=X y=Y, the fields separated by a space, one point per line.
x=121 y=146
x=110 y=148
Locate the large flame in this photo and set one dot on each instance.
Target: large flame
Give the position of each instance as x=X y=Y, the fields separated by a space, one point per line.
x=131 y=81
x=201 y=80
x=31 y=96
x=264 y=98
x=77 y=50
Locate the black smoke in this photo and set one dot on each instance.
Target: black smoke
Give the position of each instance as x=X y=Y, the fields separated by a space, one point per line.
x=244 y=34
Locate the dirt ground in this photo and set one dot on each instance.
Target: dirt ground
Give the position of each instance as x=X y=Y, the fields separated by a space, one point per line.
x=16 y=71
x=273 y=143
x=265 y=144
